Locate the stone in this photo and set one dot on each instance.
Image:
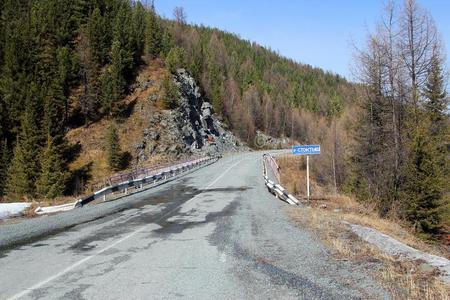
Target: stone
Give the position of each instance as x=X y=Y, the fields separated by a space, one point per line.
x=187 y=132
x=151 y=147
x=426 y=268
x=263 y=140
x=153 y=135
x=146 y=84
x=206 y=109
x=174 y=149
x=162 y=148
x=140 y=145
x=153 y=97
x=140 y=150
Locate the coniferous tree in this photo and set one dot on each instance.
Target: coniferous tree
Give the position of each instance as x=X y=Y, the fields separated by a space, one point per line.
x=4 y=162
x=114 y=153
x=215 y=85
x=3 y=116
x=167 y=43
x=424 y=181
x=54 y=105
x=113 y=82
x=88 y=71
x=13 y=75
x=51 y=181
x=175 y=59
x=436 y=101
x=139 y=30
x=170 y=92
x=123 y=50
x=97 y=34
x=372 y=178
x=23 y=170
x=117 y=71
x=436 y=104
x=107 y=97
x=63 y=78
x=153 y=35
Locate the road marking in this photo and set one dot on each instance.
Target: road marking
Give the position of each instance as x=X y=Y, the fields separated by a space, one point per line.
x=79 y=263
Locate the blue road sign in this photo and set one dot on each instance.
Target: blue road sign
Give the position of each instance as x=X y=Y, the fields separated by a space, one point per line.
x=306 y=149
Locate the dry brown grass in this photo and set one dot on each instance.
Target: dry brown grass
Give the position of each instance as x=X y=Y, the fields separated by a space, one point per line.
x=293 y=175
x=403 y=279
x=92 y=138
x=348 y=209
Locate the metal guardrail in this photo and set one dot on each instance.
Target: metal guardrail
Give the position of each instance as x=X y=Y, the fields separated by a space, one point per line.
x=156 y=175
x=273 y=165
x=139 y=173
x=274 y=188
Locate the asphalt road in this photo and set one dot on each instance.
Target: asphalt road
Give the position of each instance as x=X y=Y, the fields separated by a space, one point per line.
x=214 y=233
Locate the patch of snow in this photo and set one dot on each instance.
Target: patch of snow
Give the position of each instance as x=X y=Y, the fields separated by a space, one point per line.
x=12 y=209
x=396 y=248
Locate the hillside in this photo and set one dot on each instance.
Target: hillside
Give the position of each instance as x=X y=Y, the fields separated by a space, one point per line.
x=255 y=88
x=148 y=133
x=107 y=64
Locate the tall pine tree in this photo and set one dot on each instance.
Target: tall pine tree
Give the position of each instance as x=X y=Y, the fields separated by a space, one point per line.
x=4 y=162
x=423 y=181
x=98 y=36
x=153 y=35
x=24 y=168
x=114 y=153
x=51 y=180
x=113 y=82
x=436 y=108
x=436 y=101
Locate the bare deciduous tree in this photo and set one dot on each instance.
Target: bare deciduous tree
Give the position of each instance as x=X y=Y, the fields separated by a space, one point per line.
x=180 y=15
x=418 y=37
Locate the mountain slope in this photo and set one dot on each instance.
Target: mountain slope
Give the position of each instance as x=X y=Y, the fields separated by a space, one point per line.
x=57 y=100
x=255 y=88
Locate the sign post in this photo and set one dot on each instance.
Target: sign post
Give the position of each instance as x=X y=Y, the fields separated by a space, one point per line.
x=306 y=150
x=307 y=176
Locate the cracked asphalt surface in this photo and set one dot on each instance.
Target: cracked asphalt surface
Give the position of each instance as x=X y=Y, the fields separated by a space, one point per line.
x=214 y=233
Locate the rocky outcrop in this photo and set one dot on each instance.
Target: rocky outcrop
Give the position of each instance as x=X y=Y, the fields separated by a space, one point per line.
x=264 y=141
x=190 y=129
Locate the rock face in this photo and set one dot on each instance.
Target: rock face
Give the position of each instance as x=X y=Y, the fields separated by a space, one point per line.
x=189 y=129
